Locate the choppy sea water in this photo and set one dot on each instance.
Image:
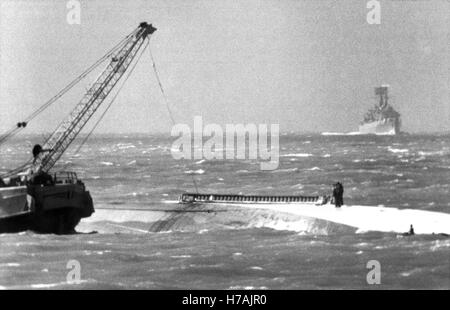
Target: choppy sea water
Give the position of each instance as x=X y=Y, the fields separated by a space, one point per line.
x=235 y=248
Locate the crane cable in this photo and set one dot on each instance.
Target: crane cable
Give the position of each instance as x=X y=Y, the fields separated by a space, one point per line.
x=54 y=98
x=166 y=101
x=63 y=91
x=111 y=102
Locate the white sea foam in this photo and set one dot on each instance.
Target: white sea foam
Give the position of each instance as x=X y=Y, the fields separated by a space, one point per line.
x=362 y=244
x=199 y=171
x=121 y=146
x=297 y=155
x=314 y=168
x=45 y=285
x=12 y=264
x=439 y=244
x=423 y=153
x=410 y=272
x=393 y=150
x=106 y=163
x=50 y=285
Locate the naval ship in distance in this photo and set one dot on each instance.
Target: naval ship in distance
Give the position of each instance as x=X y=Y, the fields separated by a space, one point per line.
x=382 y=119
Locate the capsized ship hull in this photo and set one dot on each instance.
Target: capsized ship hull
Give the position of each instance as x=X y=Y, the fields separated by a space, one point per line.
x=360 y=218
x=301 y=217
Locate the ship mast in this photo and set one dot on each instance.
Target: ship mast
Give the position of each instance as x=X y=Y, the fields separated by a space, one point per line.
x=68 y=130
x=382 y=92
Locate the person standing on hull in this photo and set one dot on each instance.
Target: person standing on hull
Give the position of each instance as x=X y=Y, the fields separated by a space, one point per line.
x=338 y=194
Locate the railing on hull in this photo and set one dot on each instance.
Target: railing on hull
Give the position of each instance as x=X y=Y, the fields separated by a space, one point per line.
x=218 y=198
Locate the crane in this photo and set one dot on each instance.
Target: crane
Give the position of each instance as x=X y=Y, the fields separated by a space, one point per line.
x=119 y=61
x=68 y=129
x=32 y=199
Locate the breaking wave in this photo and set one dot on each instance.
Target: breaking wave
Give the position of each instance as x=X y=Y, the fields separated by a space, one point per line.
x=106 y=163
x=199 y=171
x=393 y=150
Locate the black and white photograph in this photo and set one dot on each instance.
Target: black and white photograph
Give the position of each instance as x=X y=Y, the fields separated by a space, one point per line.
x=224 y=149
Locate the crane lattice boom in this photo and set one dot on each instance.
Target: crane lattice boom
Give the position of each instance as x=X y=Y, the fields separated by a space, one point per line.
x=68 y=130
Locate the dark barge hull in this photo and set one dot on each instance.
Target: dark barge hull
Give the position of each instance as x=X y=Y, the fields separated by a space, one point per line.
x=44 y=209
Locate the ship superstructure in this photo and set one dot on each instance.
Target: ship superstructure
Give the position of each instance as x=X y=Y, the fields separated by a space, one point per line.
x=382 y=119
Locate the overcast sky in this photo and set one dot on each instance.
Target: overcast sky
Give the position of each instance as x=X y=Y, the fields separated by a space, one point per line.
x=306 y=65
